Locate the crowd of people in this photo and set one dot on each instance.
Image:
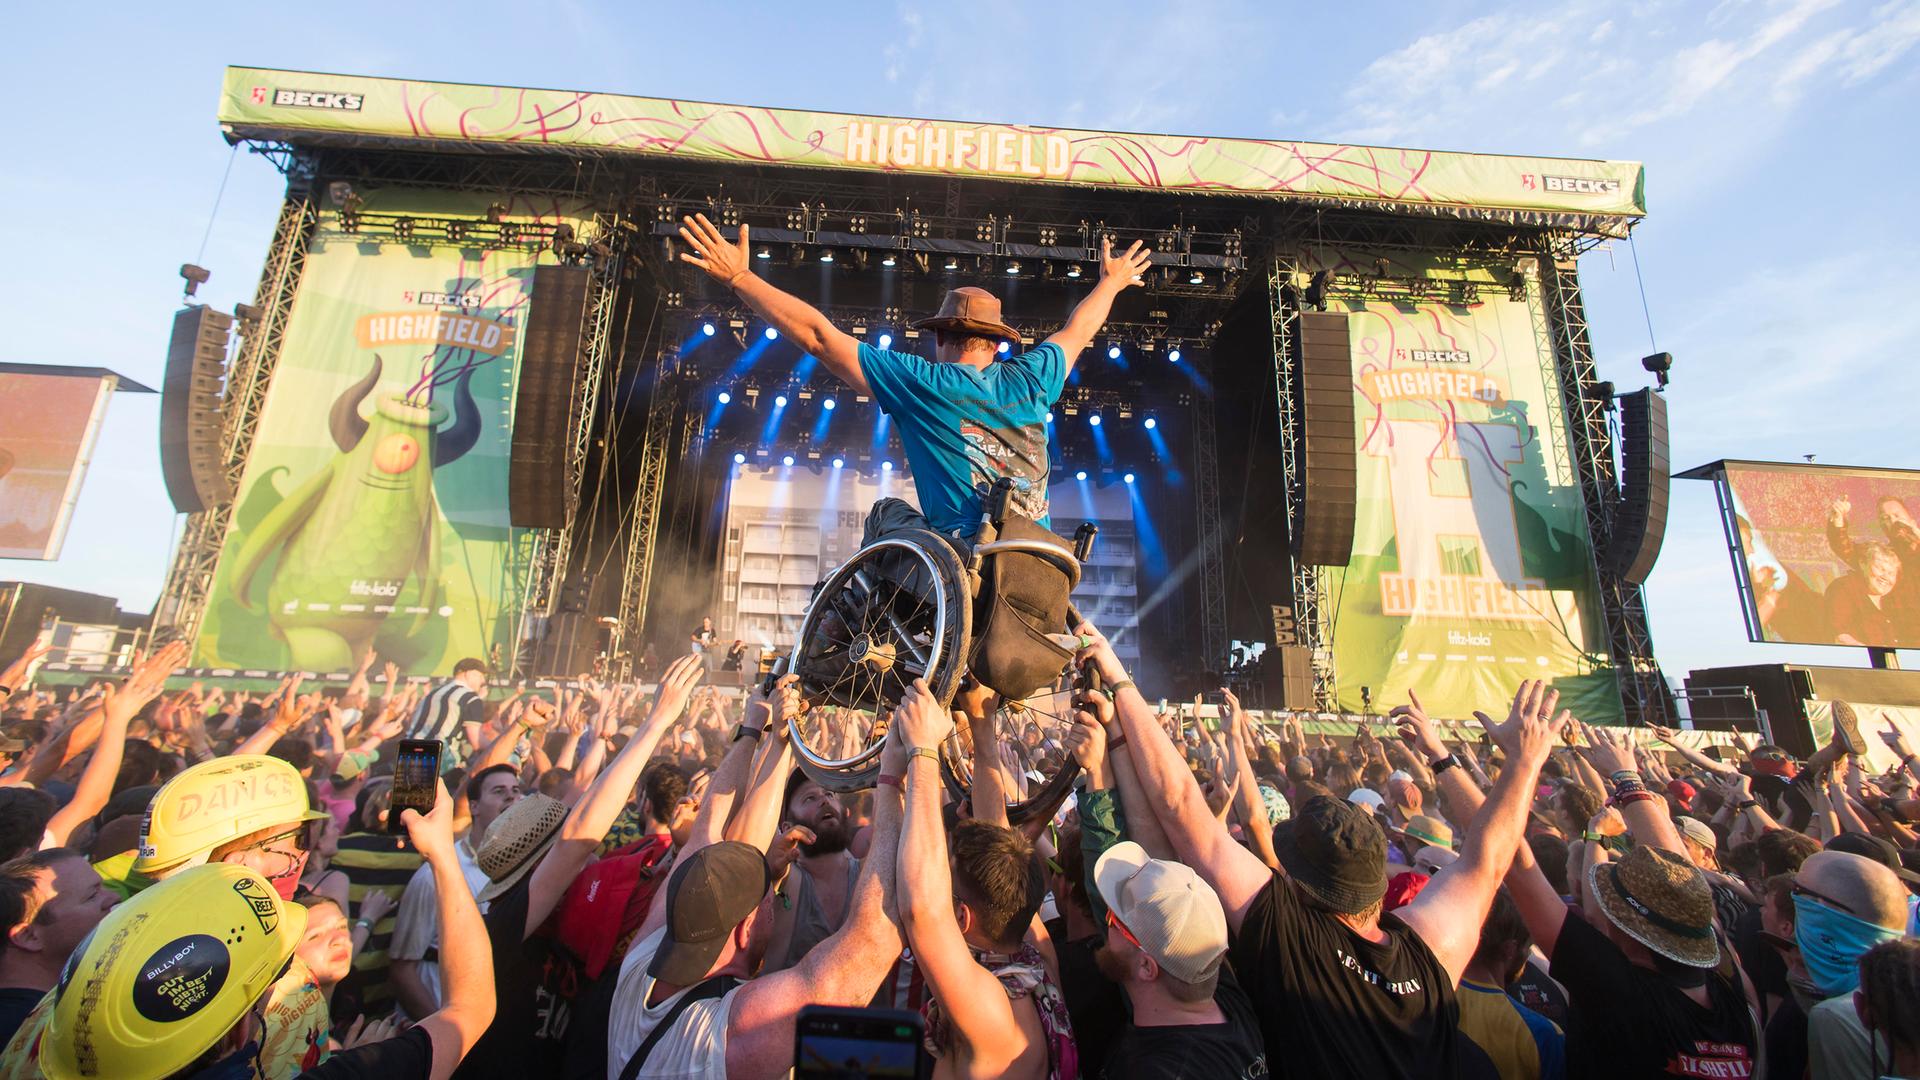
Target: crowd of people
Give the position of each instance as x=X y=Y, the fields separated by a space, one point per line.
x=629 y=881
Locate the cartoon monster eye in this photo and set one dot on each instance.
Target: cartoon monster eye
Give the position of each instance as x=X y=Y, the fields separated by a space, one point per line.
x=396 y=454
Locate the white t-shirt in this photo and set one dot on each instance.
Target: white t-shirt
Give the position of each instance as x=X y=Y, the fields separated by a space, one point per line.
x=416 y=922
x=696 y=1048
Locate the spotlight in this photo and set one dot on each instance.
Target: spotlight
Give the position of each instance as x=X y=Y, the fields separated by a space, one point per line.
x=886 y=466
x=826 y=256
x=1316 y=295
x=827 y=404
x=1197 y=278
x=839 y=463
x=1113 y=352
x=795 y=256
x=194 y=276
x=1659 y=364
x=889 y=261
x=1013 y=268
x=1073 y=271
x=726 y=398
x=1173 y=355
x=765 y=252
x=772 y=334
x=1049 y=416
x=1152 y=423
x=952 y=263
x=780 y=401
x=1081 y=475
x=739 y=459
x=707 y=329
x=1094 y=420
x=1127 y=478
x=1005 y=347
x=886 y=341
x=788 y=462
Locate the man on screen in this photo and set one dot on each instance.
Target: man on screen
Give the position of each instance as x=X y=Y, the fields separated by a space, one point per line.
x=967 y=417
x=1898 y=608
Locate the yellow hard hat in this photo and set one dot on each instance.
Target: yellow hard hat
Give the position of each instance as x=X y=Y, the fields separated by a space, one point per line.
x=167 y=974
x=216 y=802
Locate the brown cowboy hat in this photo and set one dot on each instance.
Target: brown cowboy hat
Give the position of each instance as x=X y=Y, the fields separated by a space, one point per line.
x=973 y=311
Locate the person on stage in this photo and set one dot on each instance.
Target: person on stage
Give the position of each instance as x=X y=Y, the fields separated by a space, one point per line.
x=967 y=417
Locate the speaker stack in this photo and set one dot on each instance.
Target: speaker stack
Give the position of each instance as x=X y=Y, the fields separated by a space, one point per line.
x=538 y=494
x=190 y=397
x=1325 y=536
x=1640 y=520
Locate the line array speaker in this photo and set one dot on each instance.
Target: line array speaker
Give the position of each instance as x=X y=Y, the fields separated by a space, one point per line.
x=190 y=457
x=1293 y=666
x=1640 y=523
x=1325 y=536
x=538 y=495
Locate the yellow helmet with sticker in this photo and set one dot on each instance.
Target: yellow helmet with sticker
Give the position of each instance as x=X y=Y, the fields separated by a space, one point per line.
x=215 y=803
x=167 y=974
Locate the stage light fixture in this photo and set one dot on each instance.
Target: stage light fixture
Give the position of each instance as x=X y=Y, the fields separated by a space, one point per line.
x=1074 y=271
x=826 y=256
x=1127 y=478
x=829 y=404
x=1013 y=268
x=1081 y=475
x=1658 y=365
x=1152 y=423
x=780 y=401
x=890 y=261
x=737 y=324
x=952 y=263
x=739 y=459
x=1173 y=355
x=403 y=228
x=1006 y=347
x=859 y=329
x=725 y=398
x=795 y=256
x=765 y=252
x=1094 y=420
x=839 y=463
x=886 y=466
x=886 y=341
x=788 y=462
x=707 y=329
x=772 y=334
x=1197 y=278
x=1113 y=352
x=1049 y=416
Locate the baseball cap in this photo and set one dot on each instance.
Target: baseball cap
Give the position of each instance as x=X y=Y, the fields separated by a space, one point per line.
x=1174 y=916
x=1335 y=852
x=710 y=892
x=1682 y=793
x=1366 y=797
x=1697 y=831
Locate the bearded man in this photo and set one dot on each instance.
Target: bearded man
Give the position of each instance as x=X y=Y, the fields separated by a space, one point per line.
x=812 y=870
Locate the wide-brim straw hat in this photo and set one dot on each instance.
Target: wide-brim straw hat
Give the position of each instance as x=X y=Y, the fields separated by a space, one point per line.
x=516 y=841
x=970 y=310
x=1661 y=901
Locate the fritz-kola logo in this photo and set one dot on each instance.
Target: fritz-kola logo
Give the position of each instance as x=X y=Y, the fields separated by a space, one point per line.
x=308 y=99
x=441 y=299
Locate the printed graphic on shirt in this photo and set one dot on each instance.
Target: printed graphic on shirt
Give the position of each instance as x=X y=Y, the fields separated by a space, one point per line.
x=1396 y=987
x=1724 y=1060
x=1017 y=453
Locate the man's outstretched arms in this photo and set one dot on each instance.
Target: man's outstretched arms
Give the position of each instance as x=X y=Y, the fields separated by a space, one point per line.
x=799 y=321
x=1116 y=273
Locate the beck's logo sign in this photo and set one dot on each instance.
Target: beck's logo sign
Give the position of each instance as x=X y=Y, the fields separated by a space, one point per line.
x=309 y=99
x=1580 y=185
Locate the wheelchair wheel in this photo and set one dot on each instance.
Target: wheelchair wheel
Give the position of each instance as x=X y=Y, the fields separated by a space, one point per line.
x=1038 y=725
x=897 y=611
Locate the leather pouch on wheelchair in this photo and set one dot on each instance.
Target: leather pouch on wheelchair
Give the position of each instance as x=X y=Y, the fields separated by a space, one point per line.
x=1022 y=599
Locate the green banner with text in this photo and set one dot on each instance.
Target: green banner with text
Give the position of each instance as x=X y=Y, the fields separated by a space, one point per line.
x=1472 y=568
x=373 y=510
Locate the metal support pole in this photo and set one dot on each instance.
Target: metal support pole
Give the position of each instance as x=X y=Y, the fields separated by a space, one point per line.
x=1293 y=489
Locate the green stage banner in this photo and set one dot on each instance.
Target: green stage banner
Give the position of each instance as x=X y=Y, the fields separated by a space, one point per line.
x=304 y=106
x=373 y=509
x=1471 y=566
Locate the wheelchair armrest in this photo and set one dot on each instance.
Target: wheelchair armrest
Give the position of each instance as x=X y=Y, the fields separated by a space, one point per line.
x=1053 y=553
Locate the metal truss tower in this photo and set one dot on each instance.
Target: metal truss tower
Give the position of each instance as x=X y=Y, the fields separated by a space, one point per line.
x=643 y=536
x=1312 y=632
x=1643 y=689
x=183 y=598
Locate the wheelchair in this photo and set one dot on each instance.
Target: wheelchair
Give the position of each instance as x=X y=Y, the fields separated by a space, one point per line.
x=919 y=605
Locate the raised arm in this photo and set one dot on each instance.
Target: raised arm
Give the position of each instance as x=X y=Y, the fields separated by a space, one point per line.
x=120 y=706
x=800 y=322
x=1448 y=912
x=1143 y=825
x=1246 y=799
x=1694 y=757
x=466 y=954
x=1457 y=790
x=758 y=815
x=1197 y=837
x=1645 y=812
x=1116 y=273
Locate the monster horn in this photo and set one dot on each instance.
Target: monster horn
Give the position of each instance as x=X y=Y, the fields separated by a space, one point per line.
x=453 y=443
x=344 y=421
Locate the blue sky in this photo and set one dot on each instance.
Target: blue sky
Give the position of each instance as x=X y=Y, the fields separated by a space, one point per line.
x=1777 y=138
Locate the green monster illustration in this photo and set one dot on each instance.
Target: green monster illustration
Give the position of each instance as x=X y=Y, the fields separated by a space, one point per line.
x=351 y=535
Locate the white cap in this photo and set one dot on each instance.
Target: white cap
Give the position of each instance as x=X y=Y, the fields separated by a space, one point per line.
x=1366 y=798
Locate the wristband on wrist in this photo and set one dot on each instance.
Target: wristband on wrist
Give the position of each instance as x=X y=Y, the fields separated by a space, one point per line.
x=927 y=752
x=1114 y=688
x=742 y=731
x=1443 y=764
x=1592 y=837
x=888 y=779
x=1115 y=742
x=1624 y=775
x=1745 y=804
x=1625 y=797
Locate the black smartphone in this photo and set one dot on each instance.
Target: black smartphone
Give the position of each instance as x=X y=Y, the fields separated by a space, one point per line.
x=416 y=777
x=848 y=1043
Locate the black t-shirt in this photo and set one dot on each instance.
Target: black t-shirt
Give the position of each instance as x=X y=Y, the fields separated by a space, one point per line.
x=1538 y=992
x=403 y=1057
x=15 y=1004
x=1331 y=1003
x=1764 y=964
x=1628 y=1021
x=1231 y=1050
x=535 y=982
x=1097 y=1007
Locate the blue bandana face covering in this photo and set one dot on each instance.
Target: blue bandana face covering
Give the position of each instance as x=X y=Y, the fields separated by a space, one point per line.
x=1831 y=944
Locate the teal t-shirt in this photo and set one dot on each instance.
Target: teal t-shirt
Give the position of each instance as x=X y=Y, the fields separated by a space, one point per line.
x=964 y=428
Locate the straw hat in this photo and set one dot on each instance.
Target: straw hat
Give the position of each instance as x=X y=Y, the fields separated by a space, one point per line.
x=1661 y=901
x=516 y=840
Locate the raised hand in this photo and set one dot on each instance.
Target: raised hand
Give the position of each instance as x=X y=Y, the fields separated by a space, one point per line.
x=432 y=832
x=726 y=263
x=1896 y=742
x=786 y=848
x=1611 y=753
x=676 y=689
x=1099 y=651
x=920 y=720
x=1416 y=730
x=377 y=905
x=1116 y=271
x=1087 y=741
x=1527 y=734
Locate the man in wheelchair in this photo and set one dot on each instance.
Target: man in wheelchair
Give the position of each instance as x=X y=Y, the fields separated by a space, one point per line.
x=973 y=422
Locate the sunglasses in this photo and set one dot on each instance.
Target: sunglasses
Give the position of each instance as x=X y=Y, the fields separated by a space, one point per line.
x=1821 y=898
x=305 y=836
x=1114 y=922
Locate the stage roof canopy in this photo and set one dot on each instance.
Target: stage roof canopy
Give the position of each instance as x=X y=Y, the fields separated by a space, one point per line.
x=310 y=109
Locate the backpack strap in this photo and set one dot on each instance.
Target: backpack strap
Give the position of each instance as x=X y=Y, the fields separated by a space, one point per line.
x=700 y=991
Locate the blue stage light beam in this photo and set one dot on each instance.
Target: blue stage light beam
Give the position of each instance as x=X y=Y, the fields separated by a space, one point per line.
x=880 y=423
x=1146 y=537
x=747 y=359
x=772 y=426
x=1100 y=443
x=1160 y=450
x=824 y=421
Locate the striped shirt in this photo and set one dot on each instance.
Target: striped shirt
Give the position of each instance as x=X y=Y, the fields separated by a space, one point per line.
x=440 y=714
x=374 y=862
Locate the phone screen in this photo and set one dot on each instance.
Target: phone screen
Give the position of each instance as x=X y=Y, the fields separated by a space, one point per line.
x=835 y=1042
x=415 y=776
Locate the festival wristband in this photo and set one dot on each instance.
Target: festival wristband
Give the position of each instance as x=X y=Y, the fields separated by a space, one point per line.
x=1115 y=742
x=888 y=779
x=1114 y=688
x=1592 y=837
x=1745 y=804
